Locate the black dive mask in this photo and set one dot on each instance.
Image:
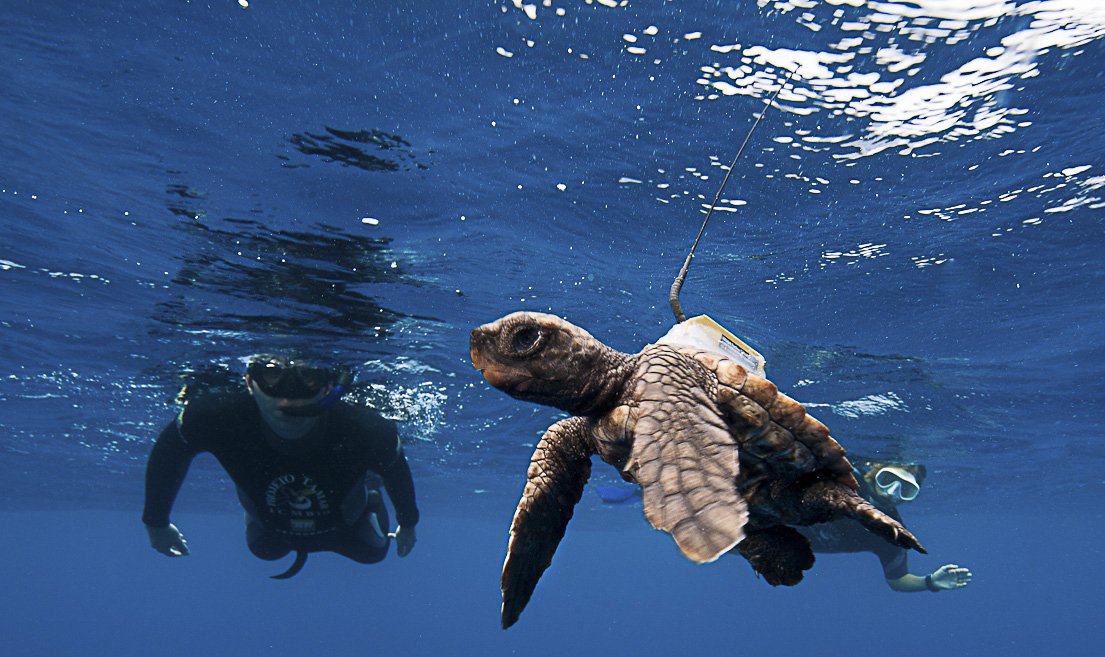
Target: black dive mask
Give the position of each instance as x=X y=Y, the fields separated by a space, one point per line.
x=288 y=378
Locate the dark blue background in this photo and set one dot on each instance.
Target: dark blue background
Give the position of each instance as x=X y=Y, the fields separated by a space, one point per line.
x=184 y=183
x=86 y=583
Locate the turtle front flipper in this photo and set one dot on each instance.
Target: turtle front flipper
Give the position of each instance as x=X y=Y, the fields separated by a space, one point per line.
x=685 y=459
x=558 y=470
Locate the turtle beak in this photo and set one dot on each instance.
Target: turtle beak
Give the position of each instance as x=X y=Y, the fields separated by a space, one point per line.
x=481 y=344
x=482 y=347
x=477 y=346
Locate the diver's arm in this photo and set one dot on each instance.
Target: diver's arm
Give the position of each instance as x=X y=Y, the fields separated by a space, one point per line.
x=907 y=583
x=895 y=567
x=396 y=473
x=946 y=577
x=400 y=487
x=165 y=472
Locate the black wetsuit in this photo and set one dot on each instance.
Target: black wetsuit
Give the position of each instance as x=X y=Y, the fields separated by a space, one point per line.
x=847 y=535
x=311 y=494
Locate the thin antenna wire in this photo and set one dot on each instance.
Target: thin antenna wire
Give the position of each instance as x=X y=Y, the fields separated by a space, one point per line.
x=677 y=285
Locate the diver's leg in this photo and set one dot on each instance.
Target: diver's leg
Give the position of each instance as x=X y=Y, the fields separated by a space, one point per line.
x=367 y=540
x=365 y=535
x=263 y=544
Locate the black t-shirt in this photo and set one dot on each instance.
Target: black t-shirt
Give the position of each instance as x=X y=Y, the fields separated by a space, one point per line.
x=295 y=487
x=847 y=535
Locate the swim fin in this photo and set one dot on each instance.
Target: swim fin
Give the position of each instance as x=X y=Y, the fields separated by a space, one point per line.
x=617 y=494
x=297 y=565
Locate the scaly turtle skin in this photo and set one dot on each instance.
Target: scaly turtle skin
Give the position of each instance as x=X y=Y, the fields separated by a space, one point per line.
x=723 y=458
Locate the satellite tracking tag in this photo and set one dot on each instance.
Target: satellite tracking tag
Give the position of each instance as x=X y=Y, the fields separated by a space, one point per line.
x=705 y=333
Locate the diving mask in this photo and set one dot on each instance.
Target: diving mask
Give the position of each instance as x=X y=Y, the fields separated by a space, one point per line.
x=286 y=378
x=897 y=483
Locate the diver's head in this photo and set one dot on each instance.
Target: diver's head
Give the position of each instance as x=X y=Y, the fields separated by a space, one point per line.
x=293 y=391
x=892 y=483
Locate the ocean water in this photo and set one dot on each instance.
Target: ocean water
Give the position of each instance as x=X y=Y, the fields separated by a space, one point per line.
x=914 y=239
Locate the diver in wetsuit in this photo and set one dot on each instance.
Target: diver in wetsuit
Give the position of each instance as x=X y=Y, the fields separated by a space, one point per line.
x=885 y=486
x=308 y=467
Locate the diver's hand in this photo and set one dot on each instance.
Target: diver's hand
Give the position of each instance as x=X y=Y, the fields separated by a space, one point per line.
x=950 y=576
x=168 y=541
x=405 y=539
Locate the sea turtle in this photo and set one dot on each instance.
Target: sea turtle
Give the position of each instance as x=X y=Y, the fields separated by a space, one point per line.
x=723 y=458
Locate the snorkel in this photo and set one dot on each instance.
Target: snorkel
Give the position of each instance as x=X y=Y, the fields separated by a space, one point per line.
x=315 y=409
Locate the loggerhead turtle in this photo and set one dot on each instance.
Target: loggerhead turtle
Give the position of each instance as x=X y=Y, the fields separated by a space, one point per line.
x=723 y=458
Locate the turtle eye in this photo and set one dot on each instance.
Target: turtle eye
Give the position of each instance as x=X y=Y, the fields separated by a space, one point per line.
x=525 y=339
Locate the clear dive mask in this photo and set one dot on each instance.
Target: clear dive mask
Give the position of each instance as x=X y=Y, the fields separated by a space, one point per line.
x=897 y=483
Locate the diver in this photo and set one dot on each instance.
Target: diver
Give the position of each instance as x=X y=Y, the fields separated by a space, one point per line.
x=307 y=466
x=886 y=486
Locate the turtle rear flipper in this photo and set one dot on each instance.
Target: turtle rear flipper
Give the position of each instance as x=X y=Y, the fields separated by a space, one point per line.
x=779 y=553
x=558 y=470
x=685 y=459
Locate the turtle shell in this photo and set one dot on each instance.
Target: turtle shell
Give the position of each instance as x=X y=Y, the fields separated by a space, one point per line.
x=711 y=444
x=777 y=437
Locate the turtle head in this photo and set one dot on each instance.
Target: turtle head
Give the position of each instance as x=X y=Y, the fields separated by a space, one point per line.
x=544 y=359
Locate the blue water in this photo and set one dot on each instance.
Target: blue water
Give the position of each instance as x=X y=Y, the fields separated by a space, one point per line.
x=913 y=238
